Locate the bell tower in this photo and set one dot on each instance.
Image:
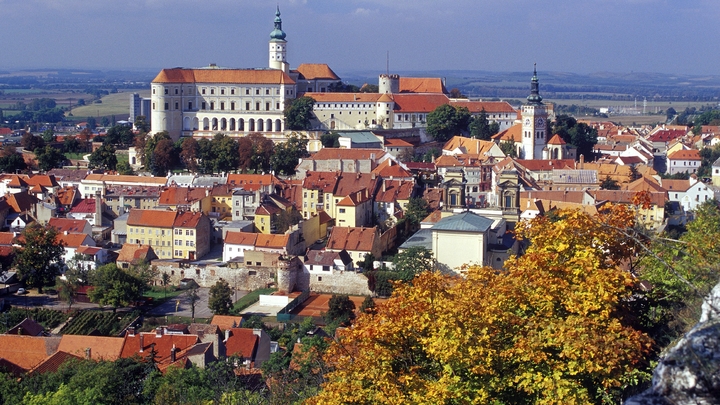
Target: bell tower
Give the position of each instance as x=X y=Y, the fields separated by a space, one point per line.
x=534 y=122
x=278 y=46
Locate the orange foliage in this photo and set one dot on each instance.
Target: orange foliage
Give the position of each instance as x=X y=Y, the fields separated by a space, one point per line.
x=546 y=330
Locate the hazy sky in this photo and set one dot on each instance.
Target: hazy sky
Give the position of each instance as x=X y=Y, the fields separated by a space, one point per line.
x=580 y=36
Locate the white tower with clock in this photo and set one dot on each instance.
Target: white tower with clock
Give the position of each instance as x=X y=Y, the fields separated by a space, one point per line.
x=534 y=122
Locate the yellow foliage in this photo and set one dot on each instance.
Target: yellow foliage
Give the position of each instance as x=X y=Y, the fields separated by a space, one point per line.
x=543 y=331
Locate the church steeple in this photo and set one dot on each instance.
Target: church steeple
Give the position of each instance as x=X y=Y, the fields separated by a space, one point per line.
x=534 y=97
x=278 y=46
x=277 y=33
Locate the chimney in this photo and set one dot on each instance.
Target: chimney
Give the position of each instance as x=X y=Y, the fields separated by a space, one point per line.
x=131 y=331
x=158 y=332
x=98 y=208
x=227 y=335
x=384 y=187
x=172 y=354
x=88 y=352
x=142 y=343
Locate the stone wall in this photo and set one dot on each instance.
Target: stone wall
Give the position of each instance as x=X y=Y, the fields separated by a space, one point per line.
x=241 y=277
x=334 y=282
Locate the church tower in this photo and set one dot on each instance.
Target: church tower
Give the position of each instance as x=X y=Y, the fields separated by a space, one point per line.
x=534 y=122
x=278 y=46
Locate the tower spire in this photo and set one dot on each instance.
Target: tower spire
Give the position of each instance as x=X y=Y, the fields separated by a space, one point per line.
x=534 y=97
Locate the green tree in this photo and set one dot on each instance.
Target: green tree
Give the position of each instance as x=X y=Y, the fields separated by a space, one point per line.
x=412 y=262
x=11 y=161
x=224 y=149
x=220 y=301
x=340 y=310
x=141 y=124
x=330 y=140
x=299 y=113
x=76 y=275
x=103 y=158
x=416 y=211
x=286 y=219
x=39 y=256
x=120 y=135
x=114 y=286
x=482 y=128
x=71 y=144
x=48 y=135
x=508 y=148
x=286 y=155
x=91 y=123
x=124 y=168
x=446 y=121
x=49 y=158
x=368 y=305
x=609 y=184
x=165 y=281
x=577 y=134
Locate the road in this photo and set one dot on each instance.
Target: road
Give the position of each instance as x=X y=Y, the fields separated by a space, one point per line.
x=182 y=303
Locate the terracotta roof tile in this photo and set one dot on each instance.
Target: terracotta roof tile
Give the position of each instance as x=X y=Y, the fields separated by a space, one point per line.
x=134 y=253
x=53 y=363
x=182 y=195
x=313 y=71
x=249 y=76
x=272 y=241
x=490 y=107
x=163 y=344
x=514 y=133
x=68 y=225
x=421 y=85
x=188 y=219
x=241 y=342
x=241 y=238
x=152 y=218
x=27 y=352
x=85 y=206
x=352 y=239
x=350 y=154
x=692 y=154
x=422 y=103
x=111 y=178
x=225 y=322
x=6 y=238
x=101 y=347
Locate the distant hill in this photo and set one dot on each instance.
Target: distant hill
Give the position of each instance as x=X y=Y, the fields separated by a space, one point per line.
x=559 y=85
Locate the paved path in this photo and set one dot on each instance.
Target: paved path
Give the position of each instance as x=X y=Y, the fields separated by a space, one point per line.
x=180 y=306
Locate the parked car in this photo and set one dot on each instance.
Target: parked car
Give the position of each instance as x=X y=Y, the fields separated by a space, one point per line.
x=21 y=291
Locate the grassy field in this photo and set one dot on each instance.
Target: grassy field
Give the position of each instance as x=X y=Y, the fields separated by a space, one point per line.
x=251 y=298
x=117 y=104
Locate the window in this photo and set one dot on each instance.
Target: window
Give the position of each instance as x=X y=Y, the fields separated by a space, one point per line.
x=342 y=210
x=189 y=105
x=247 y=91
x=203 y=105
x=166 y=91
x=267 y=106
x=212 y=105
x=212 y=91
x=203 y=90
x=167 y=106
x=222 y=105
x=277 y=106
x=232 y=105
x=232 y=91
x=247 y=106
x=222 y=91
x=177 y=106
x=257 y=92
x=257 y=106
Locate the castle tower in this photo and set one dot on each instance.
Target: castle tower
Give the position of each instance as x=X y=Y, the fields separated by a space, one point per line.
x=389 y=84
x=534 y=122
x=278 y=46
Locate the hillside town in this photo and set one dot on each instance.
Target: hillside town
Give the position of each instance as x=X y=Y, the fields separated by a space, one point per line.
x=378 y=174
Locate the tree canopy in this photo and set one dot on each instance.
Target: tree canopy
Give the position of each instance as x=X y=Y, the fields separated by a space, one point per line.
x=287 y=155
x=549 y=329
x=446 y=121
x=220 y=301
x=49 y=158
x=298 y=113
x=482 y=128
x=578 y=134
x=103 y=158
x=114 y=286
x=39 y=257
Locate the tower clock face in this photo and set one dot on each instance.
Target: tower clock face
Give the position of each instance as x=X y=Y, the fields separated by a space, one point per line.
x=540 y=123
x=527 y=121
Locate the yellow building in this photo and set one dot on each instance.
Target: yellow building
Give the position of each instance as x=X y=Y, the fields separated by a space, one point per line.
x=221 y=201
x=191 y=235
x=154 y=228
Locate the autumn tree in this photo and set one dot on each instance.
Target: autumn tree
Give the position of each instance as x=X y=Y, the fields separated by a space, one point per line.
x=163 y=157
x=245 y=153
x=340 y=310
x=189 y=154
x=547 y=330
x=39 y=255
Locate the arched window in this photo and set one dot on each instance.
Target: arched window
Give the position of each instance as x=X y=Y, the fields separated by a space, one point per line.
x=214 y=124
x=251 y=125
x=223 y=124
x=241 y=124
x=278 y=126
x=232 y=124
x=268 y=124
x=260 y=125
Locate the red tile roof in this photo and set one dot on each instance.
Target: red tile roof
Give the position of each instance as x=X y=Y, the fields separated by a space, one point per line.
x=692 y=154
x=394 y=190
x=188 y=219
x=252 y=182
x=73 y=240
x=490 y=107
x=43 y=180
x=242 y=342
x=421 y=85
x=68 y=225
x=229 y=76
x=539 y=165
x=6 y=238
x=556 y=140
x=152 y=218
x=86 y=206
x=313 y=71
x=396 y=143
x=272 y=241
x=53 y=363
x=20 y=202
x=134 y=253
x=163 y=344
x=352 y=239
x=514 y=133
x=422 y=103
x=241 y=238
x=27 y=352
x=182 y=195
x=666 y=135
x=225 y=322
x=101 y=347
x=350 y=154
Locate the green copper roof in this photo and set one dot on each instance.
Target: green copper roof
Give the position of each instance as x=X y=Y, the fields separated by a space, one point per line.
x=277 y=33
x=464 y=222
x=534 y=97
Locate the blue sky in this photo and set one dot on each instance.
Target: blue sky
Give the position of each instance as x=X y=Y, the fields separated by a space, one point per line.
x=579 y=36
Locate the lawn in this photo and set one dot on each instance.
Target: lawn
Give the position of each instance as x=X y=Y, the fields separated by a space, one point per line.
x=113 y=104
x=251 y=298
x=74 y=156
x=157 y=293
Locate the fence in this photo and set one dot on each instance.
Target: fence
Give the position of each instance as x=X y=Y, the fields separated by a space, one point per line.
x=284 y=314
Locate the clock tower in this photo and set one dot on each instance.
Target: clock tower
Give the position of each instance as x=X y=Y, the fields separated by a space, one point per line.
x=534 y=122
